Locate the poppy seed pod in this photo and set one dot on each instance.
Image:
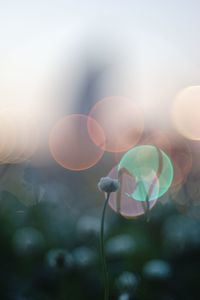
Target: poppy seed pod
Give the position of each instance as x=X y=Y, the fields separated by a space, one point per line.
x=108 y=185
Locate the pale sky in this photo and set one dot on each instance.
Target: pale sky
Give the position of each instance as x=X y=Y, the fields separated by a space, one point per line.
x=160 y=39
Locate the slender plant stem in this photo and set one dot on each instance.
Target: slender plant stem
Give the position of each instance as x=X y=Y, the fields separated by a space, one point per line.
x=102 y=250
x=153 y=184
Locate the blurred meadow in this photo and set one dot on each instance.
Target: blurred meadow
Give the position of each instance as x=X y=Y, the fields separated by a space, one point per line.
x=92 y=89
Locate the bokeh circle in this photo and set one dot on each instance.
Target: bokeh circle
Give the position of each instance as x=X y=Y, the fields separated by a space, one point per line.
x=123 y=202
x=186 y=112
x=121 y=120
x=144 y=162
x=71 y=145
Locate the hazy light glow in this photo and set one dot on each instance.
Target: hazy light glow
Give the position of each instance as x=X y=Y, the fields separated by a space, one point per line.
x=71 y=145
x=186 y=112
x=181 y=157
x=121 y=120
x=157 y=138
x=18 y=134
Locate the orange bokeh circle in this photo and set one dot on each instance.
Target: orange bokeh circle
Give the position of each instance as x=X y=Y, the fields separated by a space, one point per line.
x=121 y=120
x=71 y=145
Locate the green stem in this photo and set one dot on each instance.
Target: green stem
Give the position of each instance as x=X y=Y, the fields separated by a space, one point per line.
x=102 y=250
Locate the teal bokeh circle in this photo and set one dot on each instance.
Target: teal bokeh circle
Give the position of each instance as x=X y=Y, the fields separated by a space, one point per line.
x=151 y=168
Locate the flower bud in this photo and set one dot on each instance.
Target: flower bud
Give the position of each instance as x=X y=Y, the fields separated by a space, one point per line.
x=108 y=185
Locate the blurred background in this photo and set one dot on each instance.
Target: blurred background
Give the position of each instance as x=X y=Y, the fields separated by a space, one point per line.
x=81 y=83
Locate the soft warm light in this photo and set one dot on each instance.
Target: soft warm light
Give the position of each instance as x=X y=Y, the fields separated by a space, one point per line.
x=186 y=112
x=18 y=134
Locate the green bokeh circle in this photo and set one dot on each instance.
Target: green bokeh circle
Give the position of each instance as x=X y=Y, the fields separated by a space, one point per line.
x=144 y=163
